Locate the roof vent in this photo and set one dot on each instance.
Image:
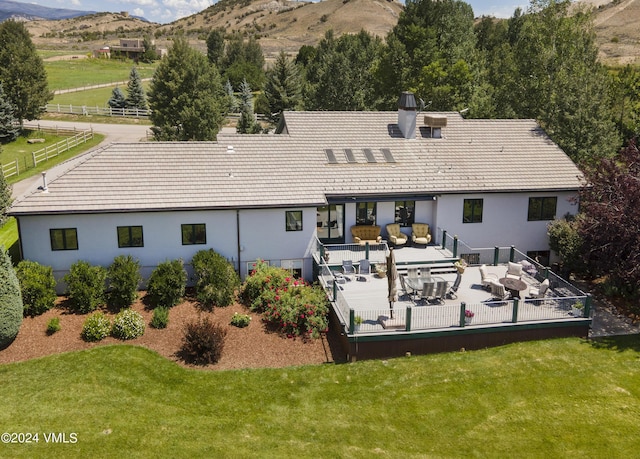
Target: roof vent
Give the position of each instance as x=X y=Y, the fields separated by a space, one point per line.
x=434 y=120
x=45 y=188
x=230 y=149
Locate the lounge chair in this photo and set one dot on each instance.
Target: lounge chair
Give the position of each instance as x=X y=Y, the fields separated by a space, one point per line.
x=396 y=237
x=486 y=278
x=420 y=233
x=498 y=291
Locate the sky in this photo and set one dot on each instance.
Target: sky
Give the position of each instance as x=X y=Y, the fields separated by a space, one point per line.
x=165 y=11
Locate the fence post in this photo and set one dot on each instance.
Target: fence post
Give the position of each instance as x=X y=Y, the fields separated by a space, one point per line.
x=463 y=308
x=587 y=305
x=496 y=255
x=455 y=246
x=512 y=253
x=514 y=317
x=366 y=250
x=408 y=318
x=444 y=239
x=35 y=163
x=352 y=321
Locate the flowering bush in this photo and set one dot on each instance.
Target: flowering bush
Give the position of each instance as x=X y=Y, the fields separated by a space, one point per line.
x=96 y=327
x=128 y=324
x=294 y=307
x=469 y=313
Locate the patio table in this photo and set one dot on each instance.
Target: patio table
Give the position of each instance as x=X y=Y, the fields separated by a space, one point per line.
x=417 y=283
x=515 y=286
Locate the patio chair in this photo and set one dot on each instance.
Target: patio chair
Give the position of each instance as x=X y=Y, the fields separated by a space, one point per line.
x=427 y=291
x=347 y=269
x=412 y=273
x=498 y=291
x=396 y=237
x=364 y=270
x=540 y=291
x=514 y=270
x=451 y=294
x=420 y=233
x=486 y=278
x=406 y=291
x=440 y=291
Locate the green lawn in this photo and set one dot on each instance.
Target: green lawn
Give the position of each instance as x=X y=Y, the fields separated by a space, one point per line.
x=9 y=238
x=78 y=73
x=92 y=97
x=547 y=399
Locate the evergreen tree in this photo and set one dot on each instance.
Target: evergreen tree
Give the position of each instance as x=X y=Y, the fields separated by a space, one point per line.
x=5 y=199
x=118 y=99
x=10 y=301
x=150 y=53
x=22 y=72
x=135 y=92
x=9 y=130
x=215 y=46
x=234 y=106
x=243 y=61
x=282 y=89
x=247 y=123
x=187 y=97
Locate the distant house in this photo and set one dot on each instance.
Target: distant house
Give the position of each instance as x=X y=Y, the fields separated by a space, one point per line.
x=491 y=182
x=131 y=48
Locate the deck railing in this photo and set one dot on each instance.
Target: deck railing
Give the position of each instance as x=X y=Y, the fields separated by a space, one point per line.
x=415 y=318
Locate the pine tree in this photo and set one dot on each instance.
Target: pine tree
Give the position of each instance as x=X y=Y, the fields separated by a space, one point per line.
x=282 y=89
x=247 y=123
x=9 y=128
x=10 y=301
x=136 y=97
x=118 y=99
x=233 y=100
x=22 y=72
x=186 y=97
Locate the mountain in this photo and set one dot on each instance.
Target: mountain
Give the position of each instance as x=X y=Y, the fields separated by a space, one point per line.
x=30 y=12
x=617 y=32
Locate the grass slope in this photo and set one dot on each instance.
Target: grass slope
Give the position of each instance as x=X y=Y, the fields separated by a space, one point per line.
x=560 y=398
x=78 y=73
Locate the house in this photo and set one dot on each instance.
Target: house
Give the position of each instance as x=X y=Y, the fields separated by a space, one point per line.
x=268 y=196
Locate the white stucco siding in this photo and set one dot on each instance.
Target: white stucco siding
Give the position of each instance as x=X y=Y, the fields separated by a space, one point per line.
x=263 y=235
x=504 y=220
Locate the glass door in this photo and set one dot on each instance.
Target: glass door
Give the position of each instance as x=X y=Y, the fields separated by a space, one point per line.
x=330 y=224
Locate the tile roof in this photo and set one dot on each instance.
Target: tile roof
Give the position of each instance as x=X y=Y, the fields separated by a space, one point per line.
x=292 y=169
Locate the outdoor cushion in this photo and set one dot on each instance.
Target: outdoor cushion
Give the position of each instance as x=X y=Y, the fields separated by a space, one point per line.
x=396 y=237
x=514 y=270
x=420 y=233
x=366 y=233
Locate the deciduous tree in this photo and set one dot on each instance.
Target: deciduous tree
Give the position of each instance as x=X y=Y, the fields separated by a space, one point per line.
x=186 y=97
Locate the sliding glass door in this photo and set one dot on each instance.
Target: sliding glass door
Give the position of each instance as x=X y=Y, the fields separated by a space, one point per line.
x=330 y=223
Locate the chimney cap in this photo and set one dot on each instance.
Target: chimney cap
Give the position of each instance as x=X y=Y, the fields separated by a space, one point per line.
x=407 y=101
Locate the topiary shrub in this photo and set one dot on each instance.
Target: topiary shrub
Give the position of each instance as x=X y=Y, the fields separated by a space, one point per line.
x=128 y=324
x=10 y=301
x=53 y=326
x=96 y=327
x=160 y=317
x=38 y=287
x=167 y=284
x=85 y=286
x=203 y=341
x=216 y=278
x=123 y=279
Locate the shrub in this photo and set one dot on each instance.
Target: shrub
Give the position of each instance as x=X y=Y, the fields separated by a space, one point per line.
x=240 y=320
x=53 y=326
x=38 y=287
x=292 y=306
x=160 y=317
x=128 y=324
x=10 y=301
x=85 y=286
x=167 y=283
x=203 y=341
x=216 y=278
x=124 y=278
x=96 y=327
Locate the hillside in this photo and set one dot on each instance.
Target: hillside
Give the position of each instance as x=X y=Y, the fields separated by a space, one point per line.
x=287 y=25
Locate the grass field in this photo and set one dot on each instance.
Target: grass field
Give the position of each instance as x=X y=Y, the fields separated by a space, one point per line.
x=77 y=73
x=558 y=398
x=98 y=97
x=9 y=238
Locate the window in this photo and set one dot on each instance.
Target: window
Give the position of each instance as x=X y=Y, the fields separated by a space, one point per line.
x=540 y=256
x=472 y=211
x=293 y=266
x=130 y=236
x=293 y=220
x=330 y=223
x=64 y=239
x=542 y=208
x=194 y=233
x=405 y=211
x=365 y=213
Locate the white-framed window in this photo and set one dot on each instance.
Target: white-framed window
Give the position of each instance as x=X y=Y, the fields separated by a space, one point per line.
x=295 y=267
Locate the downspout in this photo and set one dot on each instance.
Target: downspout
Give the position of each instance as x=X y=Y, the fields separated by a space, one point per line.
x=19 y=240
x=238 y=239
